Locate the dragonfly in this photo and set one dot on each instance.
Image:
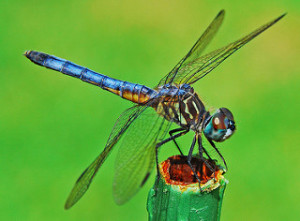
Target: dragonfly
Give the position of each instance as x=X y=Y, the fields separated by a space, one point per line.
x=144 y=126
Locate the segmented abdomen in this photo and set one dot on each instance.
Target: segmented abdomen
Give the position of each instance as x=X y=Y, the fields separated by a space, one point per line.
x=134 y=92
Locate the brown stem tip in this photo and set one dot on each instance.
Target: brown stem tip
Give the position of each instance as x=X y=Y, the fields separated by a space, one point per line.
x=176 y=171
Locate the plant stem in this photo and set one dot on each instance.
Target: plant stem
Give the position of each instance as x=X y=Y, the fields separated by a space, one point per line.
x=177 y=195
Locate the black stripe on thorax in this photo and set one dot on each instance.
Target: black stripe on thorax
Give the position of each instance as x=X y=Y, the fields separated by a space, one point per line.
x=191 y=108
x=183 y=112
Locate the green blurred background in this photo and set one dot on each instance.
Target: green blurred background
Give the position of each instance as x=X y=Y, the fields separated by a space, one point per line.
x=52 y=126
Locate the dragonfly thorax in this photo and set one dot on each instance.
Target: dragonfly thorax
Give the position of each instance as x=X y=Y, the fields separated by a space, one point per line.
x=181 y=105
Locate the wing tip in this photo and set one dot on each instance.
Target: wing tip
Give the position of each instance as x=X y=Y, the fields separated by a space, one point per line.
x=222 y=12
x=271 y=23
x=119 y=201
x=281 y=16
x=70 y=201
x=67 y=206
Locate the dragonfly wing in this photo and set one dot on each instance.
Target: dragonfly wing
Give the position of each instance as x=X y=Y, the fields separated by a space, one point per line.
x=196 y=69
x=84 y=181
x=197 y=49
x=136 y=155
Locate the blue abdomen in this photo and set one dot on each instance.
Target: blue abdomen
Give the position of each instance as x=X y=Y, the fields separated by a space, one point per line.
x=134 y=92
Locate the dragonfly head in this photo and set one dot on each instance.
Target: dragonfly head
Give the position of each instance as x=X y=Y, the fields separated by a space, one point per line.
x=220 y=126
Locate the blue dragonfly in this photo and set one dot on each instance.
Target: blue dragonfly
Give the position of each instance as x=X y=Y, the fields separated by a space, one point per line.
x=144 y=126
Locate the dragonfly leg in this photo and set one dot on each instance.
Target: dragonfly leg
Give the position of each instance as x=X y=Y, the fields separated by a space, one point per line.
x=201 y=150
x=171 y=138
x=166 y=141
x=216 y=149
x=200 y=147
x=189 y=158
x=171 y=132
x=157 y=167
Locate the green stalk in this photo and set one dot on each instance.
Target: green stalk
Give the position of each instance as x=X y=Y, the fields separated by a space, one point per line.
x=176 y=194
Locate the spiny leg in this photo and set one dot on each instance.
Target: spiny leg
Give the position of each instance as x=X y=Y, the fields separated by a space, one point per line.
x=171 y=132
x=200 y=147
x=171 y=138
x=163 y=142
x=189 y=158
x=216 y=149
x=201 y=150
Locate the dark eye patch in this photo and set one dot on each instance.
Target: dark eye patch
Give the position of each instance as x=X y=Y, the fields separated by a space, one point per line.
x=227 y=113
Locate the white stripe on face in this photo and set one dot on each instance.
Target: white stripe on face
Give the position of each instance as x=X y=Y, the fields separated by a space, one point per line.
x=228 y=134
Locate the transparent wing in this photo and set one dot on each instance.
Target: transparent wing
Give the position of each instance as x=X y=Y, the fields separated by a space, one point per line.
x=196 y=69
x=205 y=64
x=84 y=181
x=136 y=155
x=197 y=49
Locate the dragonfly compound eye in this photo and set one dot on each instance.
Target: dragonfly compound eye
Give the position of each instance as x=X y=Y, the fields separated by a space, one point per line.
x=221 y=125
x=219 y=122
